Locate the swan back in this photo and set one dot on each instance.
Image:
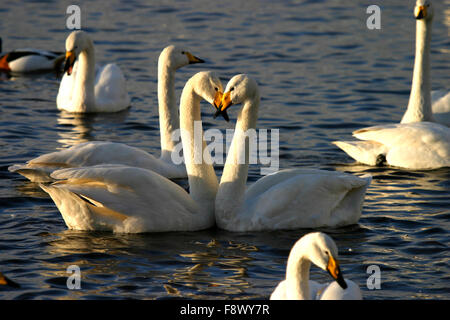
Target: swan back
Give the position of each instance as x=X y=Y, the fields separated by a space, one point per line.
x=334 y=292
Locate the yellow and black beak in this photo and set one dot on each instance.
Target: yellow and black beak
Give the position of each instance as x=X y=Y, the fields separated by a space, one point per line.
x=221 y=109
x=193 y=59
x=334 y=270
x=70 y=61
x=420 y=12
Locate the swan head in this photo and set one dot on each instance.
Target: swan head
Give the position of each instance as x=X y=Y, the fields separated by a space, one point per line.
x=423 y=10
x=76 y=42
x=175 y=57
x=240 y=88
x=322 y=251
x=207 y=85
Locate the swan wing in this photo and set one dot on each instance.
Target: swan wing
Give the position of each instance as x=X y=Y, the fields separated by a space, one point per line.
x=280 y=291
x=123 y=199
x=366 y=152
x=315 y=289
x=334 y=292
x=95 y=153
x=302 y=198
x=111 y=93
x=440 y=100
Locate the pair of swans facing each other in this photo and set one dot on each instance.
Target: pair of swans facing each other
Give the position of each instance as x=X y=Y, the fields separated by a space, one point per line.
x=129 y=199
x=422 y=140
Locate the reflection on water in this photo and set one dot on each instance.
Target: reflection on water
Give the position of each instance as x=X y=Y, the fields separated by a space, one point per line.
x=77 y=128
x=194 y=264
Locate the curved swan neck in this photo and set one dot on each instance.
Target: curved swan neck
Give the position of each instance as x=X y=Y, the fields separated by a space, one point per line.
x=167 y=108
x=85 y=79
x=202 y=178
x=234 y=177
x=297 y=275
x=419 y=105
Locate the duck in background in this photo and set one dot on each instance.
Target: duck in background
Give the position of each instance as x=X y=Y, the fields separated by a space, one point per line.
x=29 y=60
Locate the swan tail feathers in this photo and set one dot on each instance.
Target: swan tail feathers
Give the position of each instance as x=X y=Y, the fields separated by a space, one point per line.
x=367 y=152
x=81 y=212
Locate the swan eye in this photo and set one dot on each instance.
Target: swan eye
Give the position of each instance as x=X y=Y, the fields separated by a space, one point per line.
x=215 y=88
x=232 y=89
x=183 y=52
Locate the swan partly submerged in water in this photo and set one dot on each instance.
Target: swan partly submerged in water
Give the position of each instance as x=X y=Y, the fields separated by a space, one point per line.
x=87 y=87
x=319 y=249
x=128 y=199
x=287 y=199
x=102 y=152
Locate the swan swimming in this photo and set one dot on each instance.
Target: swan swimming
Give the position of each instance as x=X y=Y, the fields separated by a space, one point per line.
x=127 y=199
x=423 y=104
x=287 y=199
x=416 y=143
x=86 y=87
x=102 y=152
x=319 y=249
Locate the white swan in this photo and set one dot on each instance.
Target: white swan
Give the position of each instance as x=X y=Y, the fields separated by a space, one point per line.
x=319 y=249
x=416 y=143
x=287 y=199
x=102 y=152
x=415 y=146
x=30 y=60
x=424 y=105
x=86 y=87
x=130 y=199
